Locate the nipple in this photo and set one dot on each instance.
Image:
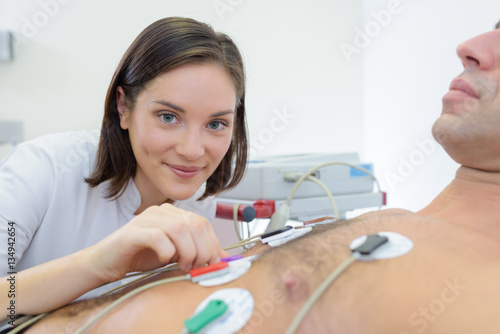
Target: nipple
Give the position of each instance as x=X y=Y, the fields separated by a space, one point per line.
x=296 y=285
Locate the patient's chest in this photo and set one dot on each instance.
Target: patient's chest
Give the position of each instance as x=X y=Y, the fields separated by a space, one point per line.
x=447 y=283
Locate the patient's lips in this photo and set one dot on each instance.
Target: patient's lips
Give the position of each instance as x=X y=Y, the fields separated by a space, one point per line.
x=460 y=90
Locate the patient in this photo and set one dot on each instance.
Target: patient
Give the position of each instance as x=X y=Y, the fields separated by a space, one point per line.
x=447 y=284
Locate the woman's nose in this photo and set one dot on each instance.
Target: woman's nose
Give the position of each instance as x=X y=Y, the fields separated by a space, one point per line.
x=190 y=145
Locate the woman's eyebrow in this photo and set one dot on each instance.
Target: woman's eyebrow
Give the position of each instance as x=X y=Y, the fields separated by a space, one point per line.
x=176 y=107
x=222 y=113
x=168 y=104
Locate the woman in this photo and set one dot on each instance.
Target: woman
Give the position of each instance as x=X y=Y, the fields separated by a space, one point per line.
x=74 y=215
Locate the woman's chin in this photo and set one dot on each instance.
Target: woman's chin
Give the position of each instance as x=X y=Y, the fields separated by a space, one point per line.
x=181 y=194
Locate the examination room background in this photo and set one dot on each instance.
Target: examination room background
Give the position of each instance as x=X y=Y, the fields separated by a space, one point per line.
x=323 y=76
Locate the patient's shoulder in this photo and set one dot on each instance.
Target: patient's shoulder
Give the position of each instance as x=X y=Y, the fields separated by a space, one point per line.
x=386 y=213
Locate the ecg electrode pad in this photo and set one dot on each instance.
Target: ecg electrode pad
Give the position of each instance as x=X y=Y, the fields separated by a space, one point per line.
x=395 y=246
x=240 y=305
x=294 y=235
x=236 y=269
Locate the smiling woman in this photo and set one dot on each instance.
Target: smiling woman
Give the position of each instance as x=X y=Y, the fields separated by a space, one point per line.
x=179 y=144
x=159 y=49
x=91 y=207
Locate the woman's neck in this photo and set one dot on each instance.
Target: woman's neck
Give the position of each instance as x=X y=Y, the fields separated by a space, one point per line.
x=149 y=194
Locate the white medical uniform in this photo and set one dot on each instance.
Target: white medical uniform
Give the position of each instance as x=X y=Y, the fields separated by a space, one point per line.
x=54 y=212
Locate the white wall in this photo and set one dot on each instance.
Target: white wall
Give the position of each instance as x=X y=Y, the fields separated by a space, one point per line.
x=380 y=103
x=407 y=68
x=296 y=75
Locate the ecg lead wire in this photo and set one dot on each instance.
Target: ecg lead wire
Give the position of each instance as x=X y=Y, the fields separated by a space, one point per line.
x=372 y=242
x=195 y=275
x=318 y=293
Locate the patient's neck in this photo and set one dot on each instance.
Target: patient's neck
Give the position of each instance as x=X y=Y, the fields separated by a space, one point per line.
x=474 y=195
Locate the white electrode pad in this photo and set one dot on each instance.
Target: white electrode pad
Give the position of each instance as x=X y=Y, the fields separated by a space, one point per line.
x=240 y=306
x=236 y=269
x=397 y=245
x=296 y=233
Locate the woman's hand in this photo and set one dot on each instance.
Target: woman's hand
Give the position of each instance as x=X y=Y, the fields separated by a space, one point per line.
x=158 y=236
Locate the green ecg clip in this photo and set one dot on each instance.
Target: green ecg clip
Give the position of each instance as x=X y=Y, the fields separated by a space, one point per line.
x=212 y=311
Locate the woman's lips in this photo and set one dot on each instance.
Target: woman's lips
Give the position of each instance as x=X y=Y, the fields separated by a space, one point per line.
x=184 y=171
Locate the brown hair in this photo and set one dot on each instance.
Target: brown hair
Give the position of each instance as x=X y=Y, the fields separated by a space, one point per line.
x=165 y=44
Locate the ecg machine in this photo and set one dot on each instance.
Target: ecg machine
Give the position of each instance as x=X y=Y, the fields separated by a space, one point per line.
x=269 y=181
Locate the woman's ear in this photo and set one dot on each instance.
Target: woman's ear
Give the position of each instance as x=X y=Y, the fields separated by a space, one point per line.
x=121 y=106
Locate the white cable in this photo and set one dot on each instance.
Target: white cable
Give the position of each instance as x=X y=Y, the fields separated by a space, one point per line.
x=169 y=267
x=279 y=218
x=319 y=291
x=28 y=323
x=248 y=229
x=127 y=296
x=371 y=243
x=143 y=274
x=328 y=192
x=312 y=170
x=235 y=221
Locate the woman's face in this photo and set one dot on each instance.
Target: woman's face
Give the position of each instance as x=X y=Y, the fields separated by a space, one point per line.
x=180 y=129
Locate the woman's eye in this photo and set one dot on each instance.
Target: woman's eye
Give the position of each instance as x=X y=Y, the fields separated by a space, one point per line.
x=218 y=125
x=168 y=118
x=214 y=125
